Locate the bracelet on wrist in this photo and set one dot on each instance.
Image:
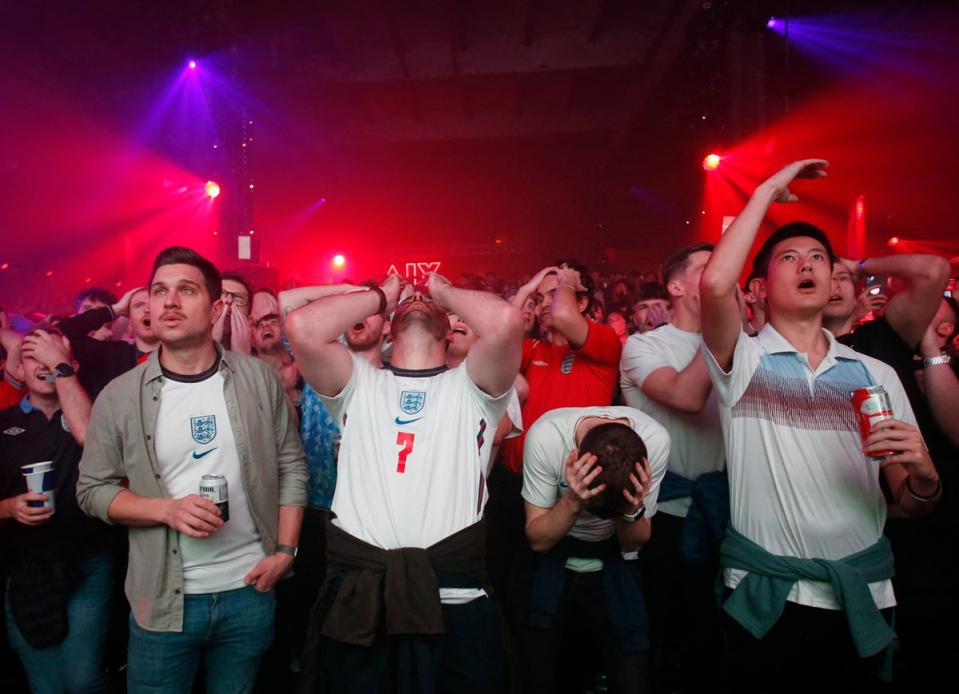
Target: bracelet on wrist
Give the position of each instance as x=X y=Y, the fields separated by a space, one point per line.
x=924 y=497
x=382 y=307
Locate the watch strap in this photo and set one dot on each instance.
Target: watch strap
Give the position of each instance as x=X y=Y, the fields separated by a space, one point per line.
x=936 y=361
x=287 y=549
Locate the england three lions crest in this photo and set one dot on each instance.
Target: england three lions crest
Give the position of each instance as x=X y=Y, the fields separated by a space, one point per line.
x=203 y=429
x=412 y=401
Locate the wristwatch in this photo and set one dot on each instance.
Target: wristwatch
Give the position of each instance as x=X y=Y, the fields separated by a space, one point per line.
x=63 y=369
x=287 y=549
x=936 y=361
x=633 y=517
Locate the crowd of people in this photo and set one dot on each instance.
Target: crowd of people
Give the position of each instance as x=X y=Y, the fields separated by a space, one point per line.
x=651 y=482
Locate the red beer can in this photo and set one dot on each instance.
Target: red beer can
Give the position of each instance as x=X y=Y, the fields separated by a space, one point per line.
x=872 y=405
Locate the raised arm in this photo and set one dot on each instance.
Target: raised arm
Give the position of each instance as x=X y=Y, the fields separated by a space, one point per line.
x=910 y=311
x=524 y=292
x=941 y=387
x=314 y=331
x=51 y=351
x=493 y=360
x=292 y=299
x=686 y=390
x=568 y=321
x=720 y=310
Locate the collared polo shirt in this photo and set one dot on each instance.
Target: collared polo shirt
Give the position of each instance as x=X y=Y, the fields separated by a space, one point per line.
x=800 y=484
x=27 y=436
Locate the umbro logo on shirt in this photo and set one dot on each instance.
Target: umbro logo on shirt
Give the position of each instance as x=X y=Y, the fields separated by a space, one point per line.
x=13 y=431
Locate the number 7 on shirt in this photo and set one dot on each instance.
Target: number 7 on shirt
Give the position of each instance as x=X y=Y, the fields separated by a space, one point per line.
x=404 y=439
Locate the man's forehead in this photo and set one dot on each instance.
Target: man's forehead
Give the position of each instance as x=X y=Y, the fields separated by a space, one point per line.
x=176 y=273
x=549 y=282
x=233 y=286
x=798 y=243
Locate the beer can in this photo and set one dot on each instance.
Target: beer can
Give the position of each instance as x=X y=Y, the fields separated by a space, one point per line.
x=872 y=405
x=213 y=487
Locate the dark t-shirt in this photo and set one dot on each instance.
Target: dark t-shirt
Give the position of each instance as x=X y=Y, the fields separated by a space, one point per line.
x=27 y=436
x=925 y=548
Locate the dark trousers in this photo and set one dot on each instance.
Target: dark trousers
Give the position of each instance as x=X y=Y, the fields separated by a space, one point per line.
x=466 y=659
x=294 y=601
x=684 y=623
x=808 y=650
x=566 y=657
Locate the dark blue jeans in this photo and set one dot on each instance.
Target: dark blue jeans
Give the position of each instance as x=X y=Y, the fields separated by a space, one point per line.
x=230 y=630
x=76 y=663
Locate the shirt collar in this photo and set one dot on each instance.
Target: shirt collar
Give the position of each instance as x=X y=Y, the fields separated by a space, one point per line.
x=153 y=371
x=774 y=343
x=25 y=405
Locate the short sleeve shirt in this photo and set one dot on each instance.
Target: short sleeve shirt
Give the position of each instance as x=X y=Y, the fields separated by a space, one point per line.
x=550 y=442
x=697 y=439
x=413 y=455
x=800 y=484
x=560 y=376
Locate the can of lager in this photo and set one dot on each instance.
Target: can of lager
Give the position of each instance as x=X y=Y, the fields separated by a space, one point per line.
x=872 y=405
x=213 y=487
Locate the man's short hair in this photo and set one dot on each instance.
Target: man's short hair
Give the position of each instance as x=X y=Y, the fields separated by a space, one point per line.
x=649 y=291
x=617 y=449
x=678 y=262
x=237 y=277
x=181 y=255
x=104 y=296
x=788 y=231
x=584 y=278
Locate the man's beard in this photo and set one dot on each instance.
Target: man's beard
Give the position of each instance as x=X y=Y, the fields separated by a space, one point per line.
x=363 y=341
x=429 y=322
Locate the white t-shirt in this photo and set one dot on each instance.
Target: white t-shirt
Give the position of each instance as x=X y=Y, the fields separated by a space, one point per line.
x=194 y=437
x=697 y=439
x=413 y=456
x=800 y=484
x=548 y=444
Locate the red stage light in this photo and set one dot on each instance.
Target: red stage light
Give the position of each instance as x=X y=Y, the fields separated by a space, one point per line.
x=893 y=241
x=4 y=266
x=339 y=260
x=49 y=273
x=711 y=162
x=211 y=188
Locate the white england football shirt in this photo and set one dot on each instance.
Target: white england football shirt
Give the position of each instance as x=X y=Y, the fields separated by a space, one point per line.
x=697 y=439
x=413 y=455
x=548 y=444
x=799 y=482
x=194 y=438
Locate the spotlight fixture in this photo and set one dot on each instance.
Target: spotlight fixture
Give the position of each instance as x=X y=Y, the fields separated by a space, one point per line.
x=212 y=189
x=711 y=162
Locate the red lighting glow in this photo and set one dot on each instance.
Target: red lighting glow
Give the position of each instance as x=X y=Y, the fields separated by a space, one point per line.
x=339 y=260
x=212 y=189
x=4 y=266
x=893 y=241
x=711 y=162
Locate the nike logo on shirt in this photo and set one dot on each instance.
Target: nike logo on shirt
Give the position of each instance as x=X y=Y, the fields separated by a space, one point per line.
x=198 y=456
x=401 y=422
